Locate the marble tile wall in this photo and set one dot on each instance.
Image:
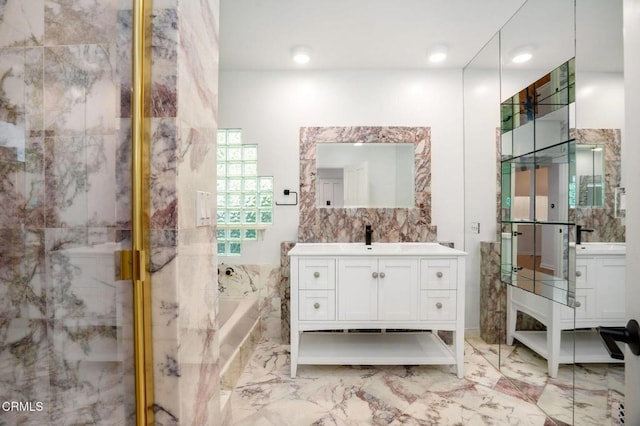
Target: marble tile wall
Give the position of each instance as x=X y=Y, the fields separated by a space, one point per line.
x=347 y=224
x=493 y=295
x=262 y=281
x=65 y=203
x=606 y=227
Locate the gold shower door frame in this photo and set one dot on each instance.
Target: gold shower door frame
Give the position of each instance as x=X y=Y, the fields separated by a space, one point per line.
x=136 y=261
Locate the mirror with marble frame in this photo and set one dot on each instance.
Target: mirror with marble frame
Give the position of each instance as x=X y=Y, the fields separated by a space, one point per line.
x=346 y=224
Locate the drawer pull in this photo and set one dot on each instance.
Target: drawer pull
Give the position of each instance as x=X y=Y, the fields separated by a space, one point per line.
x=382 y=275
x=374 y=274
x=439 y=305
x=578 y=304
x=439 y=274
x=316 y=274
x=316 y=305
x=578 y=273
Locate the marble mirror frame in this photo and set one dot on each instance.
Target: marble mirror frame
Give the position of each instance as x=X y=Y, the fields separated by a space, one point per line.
x=347 y=224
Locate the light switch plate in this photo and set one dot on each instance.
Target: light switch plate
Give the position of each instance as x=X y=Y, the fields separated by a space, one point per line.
x=203 y=208
x=475 y=227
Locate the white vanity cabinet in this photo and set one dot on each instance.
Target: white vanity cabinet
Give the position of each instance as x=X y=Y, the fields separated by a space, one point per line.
x=599 y=301
x=346 y=299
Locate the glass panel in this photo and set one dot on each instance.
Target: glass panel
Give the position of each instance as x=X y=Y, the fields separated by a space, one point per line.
x=266 y=200
x=266 y=184
x=234 y=249
x=250 y=184
x=221 y=200
x=249 y=200
x=234 y=137
x=221 y=217
x=234 y=201
x=266 y=216
x=221 y=184
x=250 y=216
x=250 y=169
x=234 y=234
x=221 y=153
x=222 y=137
x=234 y=216
x=250 y=152
x=234 y=184
x=234 y=153
x=222 y=247
x=250 y=234
x=234 y=169
x=221 y=169
x=221 y=234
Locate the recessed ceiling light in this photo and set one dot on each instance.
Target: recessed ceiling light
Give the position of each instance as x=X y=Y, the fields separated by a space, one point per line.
x=437 y=54
x=301 y=55
x=522 y=54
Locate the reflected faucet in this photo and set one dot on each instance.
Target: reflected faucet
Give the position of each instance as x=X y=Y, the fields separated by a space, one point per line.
x=368 y=232
x=579 y=231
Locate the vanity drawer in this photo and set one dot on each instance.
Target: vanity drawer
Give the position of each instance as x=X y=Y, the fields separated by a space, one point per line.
x=317 y=305
x=317 y=274
x=437 y=305
x=583 y=270
x=438 y=274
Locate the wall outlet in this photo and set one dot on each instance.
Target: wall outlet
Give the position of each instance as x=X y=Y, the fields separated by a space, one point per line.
x=475 y=227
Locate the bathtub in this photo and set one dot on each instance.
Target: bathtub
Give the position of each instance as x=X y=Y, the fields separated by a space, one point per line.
x=239 y=326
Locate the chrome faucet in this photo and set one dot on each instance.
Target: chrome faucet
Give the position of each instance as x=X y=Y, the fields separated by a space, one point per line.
x=368 y=232
x=579 y=231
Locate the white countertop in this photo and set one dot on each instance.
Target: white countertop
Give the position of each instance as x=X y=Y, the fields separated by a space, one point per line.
x=376 y=249
x=598 y=248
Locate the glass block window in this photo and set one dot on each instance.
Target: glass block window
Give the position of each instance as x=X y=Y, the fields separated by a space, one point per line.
x=244 y=199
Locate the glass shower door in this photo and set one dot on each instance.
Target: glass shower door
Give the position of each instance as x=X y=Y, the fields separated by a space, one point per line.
x=66 y=319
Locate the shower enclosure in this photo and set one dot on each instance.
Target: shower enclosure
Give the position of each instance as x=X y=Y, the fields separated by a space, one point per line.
x=82 y=236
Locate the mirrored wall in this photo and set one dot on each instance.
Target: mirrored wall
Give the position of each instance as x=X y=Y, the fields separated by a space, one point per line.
x=545 y=345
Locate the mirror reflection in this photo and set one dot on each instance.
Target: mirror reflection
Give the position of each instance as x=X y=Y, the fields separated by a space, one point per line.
x=589 y=180
x=549 y=350
x=537 y=172
x=377 y=175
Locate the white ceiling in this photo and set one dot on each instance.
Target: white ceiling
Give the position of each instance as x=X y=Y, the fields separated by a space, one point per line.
x=397 y=34
x=356 y=34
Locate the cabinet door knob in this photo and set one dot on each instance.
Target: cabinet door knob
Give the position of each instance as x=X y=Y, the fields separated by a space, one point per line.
x=578 y=273
x=374 y=274
x=316 y=274
x=578 y=304
x=382 y=275
x=439 y=305
x=439 y=274
x=316 y=305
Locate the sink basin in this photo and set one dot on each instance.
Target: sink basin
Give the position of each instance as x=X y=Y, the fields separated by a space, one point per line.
x=601 y=248
x=376 y=249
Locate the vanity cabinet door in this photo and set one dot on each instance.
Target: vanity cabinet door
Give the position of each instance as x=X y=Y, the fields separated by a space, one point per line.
x=398 y=289
x=357 y=289
x=611 y=277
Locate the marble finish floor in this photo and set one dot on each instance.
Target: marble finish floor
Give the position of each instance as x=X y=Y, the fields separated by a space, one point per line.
x=414 y=395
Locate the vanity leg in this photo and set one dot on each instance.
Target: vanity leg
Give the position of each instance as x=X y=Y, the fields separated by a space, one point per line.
x=459 y=342
x=512 y=316
x=295 y=345
x=553 y=348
